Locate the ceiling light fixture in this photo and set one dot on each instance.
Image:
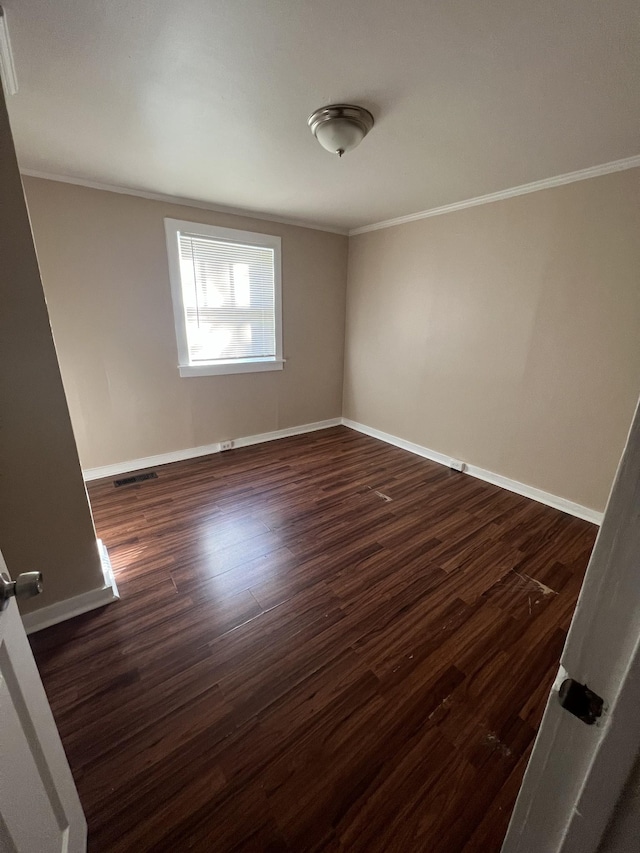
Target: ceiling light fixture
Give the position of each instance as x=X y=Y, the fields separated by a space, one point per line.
x=340 y=127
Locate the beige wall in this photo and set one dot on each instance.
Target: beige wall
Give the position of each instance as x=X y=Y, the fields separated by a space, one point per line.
x=505 y=335
x=45 y=520
x=104 y=267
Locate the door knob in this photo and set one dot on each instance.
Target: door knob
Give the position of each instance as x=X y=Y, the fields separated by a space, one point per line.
x=26 y=585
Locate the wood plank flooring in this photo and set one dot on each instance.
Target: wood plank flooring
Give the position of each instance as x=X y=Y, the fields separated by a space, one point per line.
x=324 y=643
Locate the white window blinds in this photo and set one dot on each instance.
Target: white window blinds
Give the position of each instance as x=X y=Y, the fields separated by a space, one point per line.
x=228 y=295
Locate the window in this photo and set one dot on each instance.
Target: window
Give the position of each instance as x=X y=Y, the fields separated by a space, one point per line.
x=226 y=292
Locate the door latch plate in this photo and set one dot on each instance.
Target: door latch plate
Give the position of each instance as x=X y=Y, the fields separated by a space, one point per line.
x=578 y=700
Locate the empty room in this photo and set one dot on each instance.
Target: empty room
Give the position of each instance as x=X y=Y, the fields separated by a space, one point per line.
x=319 y=461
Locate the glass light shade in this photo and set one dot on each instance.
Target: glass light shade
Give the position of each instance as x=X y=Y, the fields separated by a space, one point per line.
x=339 y=135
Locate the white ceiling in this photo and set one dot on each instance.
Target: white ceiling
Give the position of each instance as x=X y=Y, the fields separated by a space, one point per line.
x=208 y=99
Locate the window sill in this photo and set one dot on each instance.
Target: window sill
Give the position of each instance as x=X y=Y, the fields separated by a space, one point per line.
x=222 y=367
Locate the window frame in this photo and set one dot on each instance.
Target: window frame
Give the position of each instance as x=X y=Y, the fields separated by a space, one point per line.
x=173 y=227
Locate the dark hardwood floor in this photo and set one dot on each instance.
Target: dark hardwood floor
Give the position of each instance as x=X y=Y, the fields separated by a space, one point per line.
x=324 y=643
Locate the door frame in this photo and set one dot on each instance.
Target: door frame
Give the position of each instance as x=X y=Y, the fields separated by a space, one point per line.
x=577 y=772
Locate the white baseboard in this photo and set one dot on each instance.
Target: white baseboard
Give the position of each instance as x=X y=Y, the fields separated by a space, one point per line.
x=204 y=450
x=482 y=474
x=488 y=476
x=62 y=610
x=286 y=433
x=107 y=569
x=79 y=604
x=148 y=462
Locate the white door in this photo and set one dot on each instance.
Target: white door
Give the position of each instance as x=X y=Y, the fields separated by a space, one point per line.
x=577 y=771
x=39 y=807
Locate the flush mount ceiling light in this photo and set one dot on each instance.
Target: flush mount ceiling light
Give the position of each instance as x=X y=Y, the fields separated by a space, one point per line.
x=340 y=127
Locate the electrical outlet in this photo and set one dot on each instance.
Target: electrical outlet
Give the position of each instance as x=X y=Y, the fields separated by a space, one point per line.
x=226 y=445
x=457 y=465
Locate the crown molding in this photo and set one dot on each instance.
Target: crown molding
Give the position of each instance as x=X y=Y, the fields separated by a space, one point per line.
x=180 y=200
x=523 y=189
